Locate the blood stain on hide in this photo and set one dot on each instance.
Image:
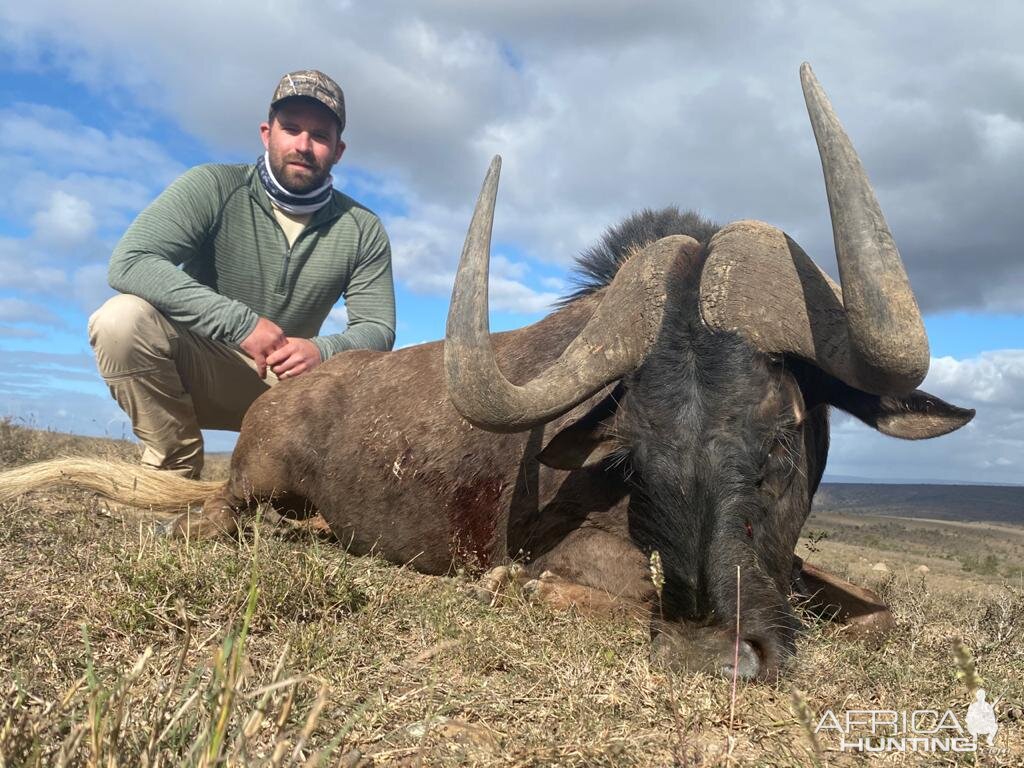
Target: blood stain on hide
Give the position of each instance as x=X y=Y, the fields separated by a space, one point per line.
x=472 y=515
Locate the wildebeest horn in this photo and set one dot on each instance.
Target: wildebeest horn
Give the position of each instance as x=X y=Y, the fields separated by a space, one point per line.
x=759 y=283
x=613 y=342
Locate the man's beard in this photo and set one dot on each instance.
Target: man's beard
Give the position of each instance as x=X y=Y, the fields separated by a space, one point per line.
x=290 y=178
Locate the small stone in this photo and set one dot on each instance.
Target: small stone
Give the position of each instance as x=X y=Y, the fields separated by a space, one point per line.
x=880 y=566
x=922 y=569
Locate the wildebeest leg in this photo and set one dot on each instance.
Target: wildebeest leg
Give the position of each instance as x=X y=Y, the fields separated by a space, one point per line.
x=259 y=467
x=552 y=590
x=593 y=569
x=495 y=583
x=218 y=517
x=256 y=476
x=560 y=594
x=828 y=596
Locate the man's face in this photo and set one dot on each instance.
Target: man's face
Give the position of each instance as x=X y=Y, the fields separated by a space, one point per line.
x=303 y=144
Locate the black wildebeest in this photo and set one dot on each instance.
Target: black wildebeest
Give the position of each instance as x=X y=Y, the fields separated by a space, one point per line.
x=677 y=403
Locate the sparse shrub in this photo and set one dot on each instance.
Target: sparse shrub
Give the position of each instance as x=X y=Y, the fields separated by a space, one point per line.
x=983 y=566
x=813 y=538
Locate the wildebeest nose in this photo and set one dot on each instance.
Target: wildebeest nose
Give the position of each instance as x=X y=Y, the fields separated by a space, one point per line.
x=746 y=659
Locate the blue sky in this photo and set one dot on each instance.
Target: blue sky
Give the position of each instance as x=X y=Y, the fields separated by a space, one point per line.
x=598 y=110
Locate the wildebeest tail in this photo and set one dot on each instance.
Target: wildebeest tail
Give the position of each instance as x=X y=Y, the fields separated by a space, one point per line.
x=118 y=481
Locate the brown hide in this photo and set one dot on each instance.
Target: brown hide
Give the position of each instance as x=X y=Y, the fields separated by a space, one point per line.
x=373 y=443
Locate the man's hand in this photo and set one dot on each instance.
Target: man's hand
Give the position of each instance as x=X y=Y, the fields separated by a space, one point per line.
x=264 y=339
x=296 y=357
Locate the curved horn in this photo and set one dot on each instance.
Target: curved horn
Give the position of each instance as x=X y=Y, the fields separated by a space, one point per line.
x=870 y=334
x=613 y=342
x=883 y=318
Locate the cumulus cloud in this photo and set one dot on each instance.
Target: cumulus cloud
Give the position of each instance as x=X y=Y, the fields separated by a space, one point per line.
x=989 y=449
x=70 y=179
x=53 y=136
x=18 y=332
x=991 y=379
x=66 y=221
x=90 y=286
x=423 y=262
x=77 y=187
x=20 y=268
x=21 y=311
x=642 y=107
x=336 y=322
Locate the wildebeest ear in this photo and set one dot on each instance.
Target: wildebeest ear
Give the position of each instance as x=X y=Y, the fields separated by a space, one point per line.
x=916 y=416
x=585 y=442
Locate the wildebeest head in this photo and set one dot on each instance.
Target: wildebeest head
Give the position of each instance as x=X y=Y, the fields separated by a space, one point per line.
x=721 y=350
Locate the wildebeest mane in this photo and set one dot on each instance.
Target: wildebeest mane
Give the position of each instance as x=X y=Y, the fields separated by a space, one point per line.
x=597 y=266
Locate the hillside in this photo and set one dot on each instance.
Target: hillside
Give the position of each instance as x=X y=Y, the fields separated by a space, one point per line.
x=984 y=503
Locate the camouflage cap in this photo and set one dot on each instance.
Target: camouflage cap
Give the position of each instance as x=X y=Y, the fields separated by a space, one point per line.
x=315 y=85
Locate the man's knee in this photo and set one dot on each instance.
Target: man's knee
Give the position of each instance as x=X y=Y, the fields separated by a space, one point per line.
x=128 y=335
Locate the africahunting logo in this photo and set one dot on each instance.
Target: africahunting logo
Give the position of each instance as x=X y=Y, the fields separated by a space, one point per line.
x=919 y=730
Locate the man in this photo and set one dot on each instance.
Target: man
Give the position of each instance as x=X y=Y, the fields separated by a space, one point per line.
x=227 y=277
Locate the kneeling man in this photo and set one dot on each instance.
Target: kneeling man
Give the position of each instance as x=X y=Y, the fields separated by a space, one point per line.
x=227 y=277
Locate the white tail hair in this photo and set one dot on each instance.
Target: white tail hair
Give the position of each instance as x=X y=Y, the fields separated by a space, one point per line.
x=118 y=481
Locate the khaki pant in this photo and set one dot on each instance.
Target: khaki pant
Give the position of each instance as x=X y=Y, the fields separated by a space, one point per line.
x=171 y=382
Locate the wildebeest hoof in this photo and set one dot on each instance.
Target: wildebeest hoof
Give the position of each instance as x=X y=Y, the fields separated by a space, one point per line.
x=535 y=589
x=560 y=594
x=493 y=584
x=165 y=529
x=222 y=523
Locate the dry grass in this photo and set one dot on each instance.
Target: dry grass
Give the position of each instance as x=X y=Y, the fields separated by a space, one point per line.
x=117 y=648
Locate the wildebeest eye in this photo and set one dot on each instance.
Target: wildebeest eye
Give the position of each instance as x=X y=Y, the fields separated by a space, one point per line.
x=780 y=465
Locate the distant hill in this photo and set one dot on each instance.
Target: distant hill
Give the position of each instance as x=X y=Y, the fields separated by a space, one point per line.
x=971 y=503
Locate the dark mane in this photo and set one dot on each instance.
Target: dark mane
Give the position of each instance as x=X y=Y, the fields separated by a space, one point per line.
x=597 y=266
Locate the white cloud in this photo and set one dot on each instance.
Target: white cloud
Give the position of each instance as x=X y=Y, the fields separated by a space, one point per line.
x=56 y=138
x=21 y=311
x=989 y=449
x=336 y=322
x=18 y=332
x=79 y=187
x=426 y=251
x=90 y=286
x=668 y=103
x=993 y=378
x=68 y=199
x=513 y=296
x=66 y=221
x=20 y=270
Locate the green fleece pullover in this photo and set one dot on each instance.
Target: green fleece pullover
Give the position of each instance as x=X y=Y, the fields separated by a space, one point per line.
x=216 y=223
